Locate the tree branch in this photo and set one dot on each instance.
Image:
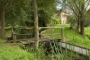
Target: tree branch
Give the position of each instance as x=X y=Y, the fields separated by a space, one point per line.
x=76 y=6
x=71 y=7
x=8 y=4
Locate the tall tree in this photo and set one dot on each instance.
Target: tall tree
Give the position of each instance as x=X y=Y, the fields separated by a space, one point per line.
x=79 y=9
x=9 y=7
x=4 y=5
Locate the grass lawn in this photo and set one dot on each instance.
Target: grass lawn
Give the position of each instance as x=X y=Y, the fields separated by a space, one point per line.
x=87 y=31
x=71 y=36
x=10 y=51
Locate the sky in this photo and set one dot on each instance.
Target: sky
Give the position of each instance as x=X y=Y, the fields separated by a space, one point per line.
x=59 y=6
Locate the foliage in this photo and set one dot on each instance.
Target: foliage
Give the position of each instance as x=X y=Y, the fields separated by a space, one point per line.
x=39 y=53
x=55 y=21
x=15 y=14
x=25 y=31
x=72 y=21
x=45 y=11
x=14 y=53
x=87 y=32
x=87 y=19
x=44 y=18
x=22 y=13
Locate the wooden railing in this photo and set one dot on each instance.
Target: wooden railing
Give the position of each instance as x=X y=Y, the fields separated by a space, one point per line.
x=16 y=34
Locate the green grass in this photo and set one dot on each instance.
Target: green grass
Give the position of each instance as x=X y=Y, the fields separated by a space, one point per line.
x=71 y=36
x=75 y=38
x=63 y=25
x=87 y=31
x=14 y=52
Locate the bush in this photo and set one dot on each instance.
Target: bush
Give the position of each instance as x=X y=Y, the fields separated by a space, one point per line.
x=25 y=31
x=55 y=21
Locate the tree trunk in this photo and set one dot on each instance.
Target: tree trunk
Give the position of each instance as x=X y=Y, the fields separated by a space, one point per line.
x=36 y=23
x=78 y=25
x=82 y=27
x=2 y=21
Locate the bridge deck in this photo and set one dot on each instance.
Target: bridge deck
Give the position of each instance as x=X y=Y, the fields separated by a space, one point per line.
x=27 y=41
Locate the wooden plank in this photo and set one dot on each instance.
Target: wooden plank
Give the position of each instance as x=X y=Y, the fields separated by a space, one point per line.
x=76 y=45
x=28 y=28
x=27 y=41
x=39 y=34
x=49 y=27
x=23 y=34
x=44 y=40
x=23 y=27
x=51 y=34
x=77 y=49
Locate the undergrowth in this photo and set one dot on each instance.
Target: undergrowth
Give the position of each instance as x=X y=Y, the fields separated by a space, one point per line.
x=14 y=53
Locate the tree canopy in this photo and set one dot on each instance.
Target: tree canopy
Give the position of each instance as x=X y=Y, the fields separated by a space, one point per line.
x=79 y=8
x=21 y=12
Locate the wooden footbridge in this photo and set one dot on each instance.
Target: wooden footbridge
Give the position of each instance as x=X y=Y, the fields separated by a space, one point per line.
x=76 y=49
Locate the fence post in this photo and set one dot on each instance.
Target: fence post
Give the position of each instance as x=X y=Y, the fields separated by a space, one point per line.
x=63 y=21
x=14 y=37
x=62 y=35
x=13 y=34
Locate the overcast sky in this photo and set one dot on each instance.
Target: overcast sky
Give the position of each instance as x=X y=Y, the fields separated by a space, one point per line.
x=59 y=6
